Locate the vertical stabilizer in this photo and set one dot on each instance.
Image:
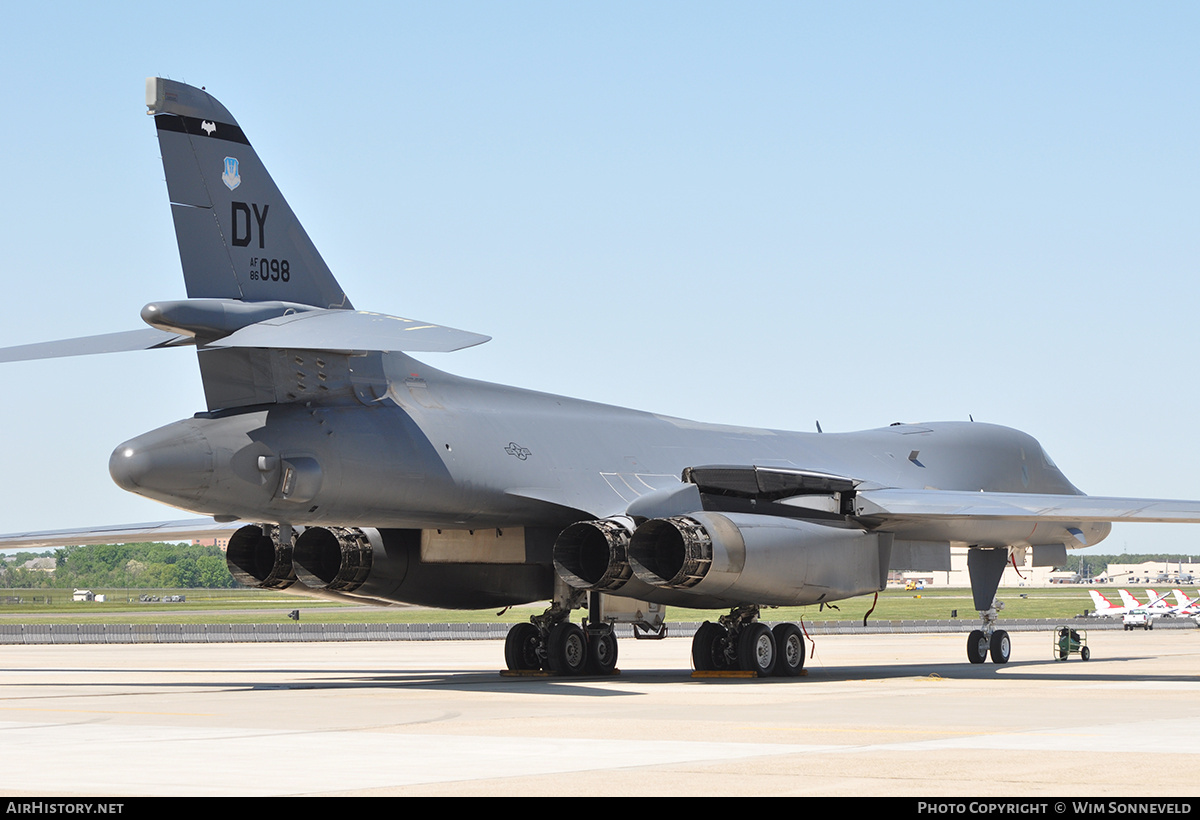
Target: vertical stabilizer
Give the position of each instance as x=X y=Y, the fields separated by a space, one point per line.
x=238 y=239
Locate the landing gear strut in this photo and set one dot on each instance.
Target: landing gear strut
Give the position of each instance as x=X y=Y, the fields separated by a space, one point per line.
x=551 y=642
x=985 y=567
x=739 y=641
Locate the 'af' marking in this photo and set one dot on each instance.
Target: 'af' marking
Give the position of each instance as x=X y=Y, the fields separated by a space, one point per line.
x=241 y=220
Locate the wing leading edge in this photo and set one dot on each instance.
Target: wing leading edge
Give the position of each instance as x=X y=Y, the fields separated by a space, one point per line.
x=1011 y=519
x=910 y=505
x=185 y=530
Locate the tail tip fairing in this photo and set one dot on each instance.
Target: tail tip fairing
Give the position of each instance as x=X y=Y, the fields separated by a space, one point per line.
x=172 y=97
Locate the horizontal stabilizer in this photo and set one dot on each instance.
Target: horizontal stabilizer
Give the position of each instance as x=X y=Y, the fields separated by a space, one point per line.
x=910 y=505
x=186 y=530
x=145 y=339
x=350 y=330
x=332 y=330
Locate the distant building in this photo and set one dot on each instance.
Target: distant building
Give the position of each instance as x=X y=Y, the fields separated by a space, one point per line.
x=1178 y=573
x=40 y=564
x=1022 y=575
x=1174 y=573
x=221 y=543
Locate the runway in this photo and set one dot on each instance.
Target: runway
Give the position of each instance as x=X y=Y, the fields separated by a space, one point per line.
x=901 y=715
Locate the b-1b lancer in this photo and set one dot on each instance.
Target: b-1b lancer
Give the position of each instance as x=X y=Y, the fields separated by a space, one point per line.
x=358 y=472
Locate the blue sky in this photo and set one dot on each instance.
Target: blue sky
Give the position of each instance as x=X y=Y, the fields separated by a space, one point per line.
x=764 y=214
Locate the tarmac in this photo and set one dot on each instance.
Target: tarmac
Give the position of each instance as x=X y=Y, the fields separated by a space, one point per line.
x=876 y=715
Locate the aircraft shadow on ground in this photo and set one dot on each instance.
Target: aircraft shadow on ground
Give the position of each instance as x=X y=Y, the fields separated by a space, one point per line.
x=1096 y=670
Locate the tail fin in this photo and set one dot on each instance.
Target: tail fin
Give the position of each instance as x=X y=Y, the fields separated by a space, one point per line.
x=1100 y=602
x=238 y=239
x=1127 y=598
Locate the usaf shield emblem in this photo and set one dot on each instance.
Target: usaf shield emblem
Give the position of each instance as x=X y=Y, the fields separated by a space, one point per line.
x=231 y=177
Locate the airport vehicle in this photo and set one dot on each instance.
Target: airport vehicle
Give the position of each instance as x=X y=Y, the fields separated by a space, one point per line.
x=1068 y=641
x=1137 y=617
x=352 y=470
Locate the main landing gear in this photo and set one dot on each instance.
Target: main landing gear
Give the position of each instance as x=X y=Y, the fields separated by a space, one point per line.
x=739 y=641
x=551 y=642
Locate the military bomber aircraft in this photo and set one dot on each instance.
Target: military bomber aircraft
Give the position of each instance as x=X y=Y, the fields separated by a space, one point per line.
x=351 y=470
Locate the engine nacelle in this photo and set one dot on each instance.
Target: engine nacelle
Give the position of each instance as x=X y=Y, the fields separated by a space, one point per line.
x=761 y=559
x=444 y=568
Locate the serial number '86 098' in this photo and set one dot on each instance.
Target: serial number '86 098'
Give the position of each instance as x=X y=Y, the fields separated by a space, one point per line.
x=272 y=270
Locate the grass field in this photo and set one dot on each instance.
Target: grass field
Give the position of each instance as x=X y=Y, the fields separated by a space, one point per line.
x=256 y=606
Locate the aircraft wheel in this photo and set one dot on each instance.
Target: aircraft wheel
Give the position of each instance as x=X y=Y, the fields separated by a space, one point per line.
x=602 y=653
x=977 y=646
x=708 y=648
x=1001 y=646
x=1085 y=653
x=789 y=643
x=521 y=648
x=566 y=650
x=756 y=649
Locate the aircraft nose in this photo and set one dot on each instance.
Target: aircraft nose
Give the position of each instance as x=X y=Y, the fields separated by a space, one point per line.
x=171 y=463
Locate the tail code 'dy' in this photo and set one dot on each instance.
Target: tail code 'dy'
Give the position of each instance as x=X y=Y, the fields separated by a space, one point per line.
x=238 y=239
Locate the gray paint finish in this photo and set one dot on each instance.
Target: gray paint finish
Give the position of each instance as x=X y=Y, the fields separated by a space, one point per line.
x=317 y=419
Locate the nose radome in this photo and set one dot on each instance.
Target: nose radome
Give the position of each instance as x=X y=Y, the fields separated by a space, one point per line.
x=172 y=463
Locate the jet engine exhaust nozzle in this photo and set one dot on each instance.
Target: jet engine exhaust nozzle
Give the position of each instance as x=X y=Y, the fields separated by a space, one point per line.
x=671 y=552
x=256 y=559
x=335 y=558
x=594 y=555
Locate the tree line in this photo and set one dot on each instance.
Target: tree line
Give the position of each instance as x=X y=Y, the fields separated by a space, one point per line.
x=135 y=566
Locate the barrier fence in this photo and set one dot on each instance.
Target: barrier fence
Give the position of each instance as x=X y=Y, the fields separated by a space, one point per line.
x=282 y=632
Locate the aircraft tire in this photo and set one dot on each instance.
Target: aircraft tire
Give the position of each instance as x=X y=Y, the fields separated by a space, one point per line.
x=789 y=644
x=566 y=649
x=756 y=650
x=602 y=653
x=977 y=646
x=708 y=648
x=1001 y=646
x=521 y=648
